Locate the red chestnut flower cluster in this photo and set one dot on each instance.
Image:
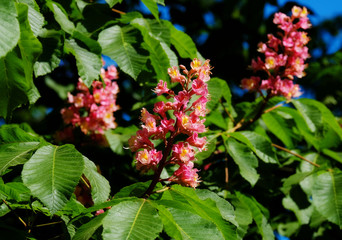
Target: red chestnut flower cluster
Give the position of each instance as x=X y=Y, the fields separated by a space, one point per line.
x=92 y=108
x=187 y=109
x=284 y=56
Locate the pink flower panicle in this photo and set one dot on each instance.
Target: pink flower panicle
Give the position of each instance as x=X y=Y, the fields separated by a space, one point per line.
x=188 y=107
x=284 y=56
x=91 y=109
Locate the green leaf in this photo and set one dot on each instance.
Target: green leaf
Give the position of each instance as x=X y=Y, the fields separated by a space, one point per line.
x=215 y=91
x=16 y=69
x=88 y=229
x=334 y=155
x=206 y=209
x=293 y=180
x=111 y=3
x=158 y=57
x=244 y=158
x=153 y=7
x=61 y=17
x=136 y=219
x=52 y=174
x=211 y=147
x=301 y=125
x=156 y=40
x=264 y=227
x=303 y=215
x=88 y=63
x=35 y=18
x=100 y=188
x=316 y=114
x=116 y=42
x=181 y=224
x=226 y=209
x=278 y=126
x=182 y=42
x=9 y=27
x=6 y=192
x=17 y=133
x=13 y=154
x=327 y=195
x=158 y=30
x=118 y=137
x=52 y=52
x=259 y=144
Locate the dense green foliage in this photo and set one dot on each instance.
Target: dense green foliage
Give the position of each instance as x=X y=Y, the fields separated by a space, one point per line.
x=272 y=167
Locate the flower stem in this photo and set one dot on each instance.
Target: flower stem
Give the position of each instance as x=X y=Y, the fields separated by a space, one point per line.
x=161 y=165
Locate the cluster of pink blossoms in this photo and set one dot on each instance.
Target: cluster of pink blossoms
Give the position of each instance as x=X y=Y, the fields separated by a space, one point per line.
x=92 y=109
x=188 y=107
x=284 y=56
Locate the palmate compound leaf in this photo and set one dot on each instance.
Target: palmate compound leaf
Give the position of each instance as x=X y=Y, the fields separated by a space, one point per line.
x=327 y=195
x=52 y=174
x=136 y=219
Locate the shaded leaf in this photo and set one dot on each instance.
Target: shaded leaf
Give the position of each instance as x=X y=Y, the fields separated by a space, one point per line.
x=88 y=229
x=244 y=158
x=264 y=227
x=100 y=188
x=52 y=52
x=278 y=126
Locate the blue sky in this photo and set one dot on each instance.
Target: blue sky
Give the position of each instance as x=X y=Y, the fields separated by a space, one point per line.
x=322 y=9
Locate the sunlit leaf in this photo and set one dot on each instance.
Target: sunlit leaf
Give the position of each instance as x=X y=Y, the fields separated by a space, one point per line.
x=116 y=42
x=52 y=174
x=9 y=27
x=258 y=144
x=88 y=63
x=16 y=68
x=136 y=219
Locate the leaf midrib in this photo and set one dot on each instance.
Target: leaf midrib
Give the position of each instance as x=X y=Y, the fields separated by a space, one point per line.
x=135 y=219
